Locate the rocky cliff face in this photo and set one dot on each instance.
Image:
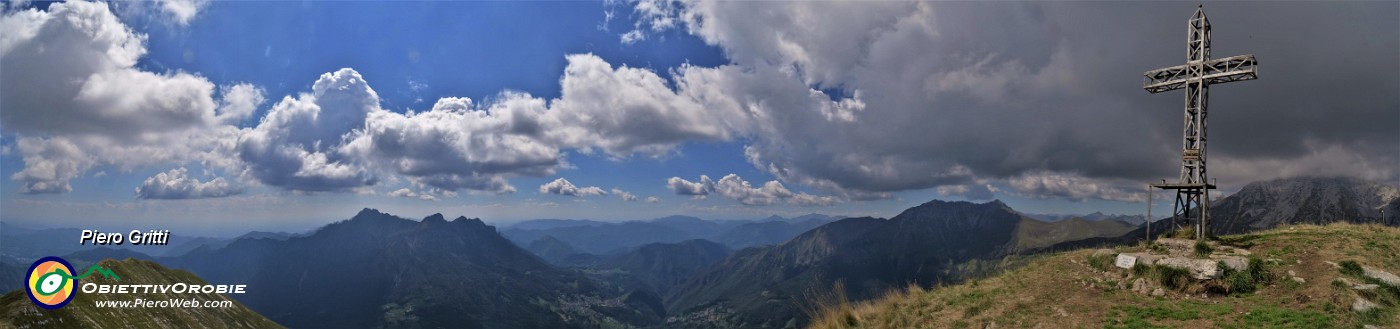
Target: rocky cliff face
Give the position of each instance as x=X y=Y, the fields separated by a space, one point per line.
x=1263 y=205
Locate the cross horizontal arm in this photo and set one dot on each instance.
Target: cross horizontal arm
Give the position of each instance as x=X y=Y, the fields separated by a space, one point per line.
x=1229 y=69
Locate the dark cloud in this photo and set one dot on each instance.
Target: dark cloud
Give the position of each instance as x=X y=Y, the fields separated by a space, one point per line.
x=454 y=182
x=1046 y=98
x=856 y=99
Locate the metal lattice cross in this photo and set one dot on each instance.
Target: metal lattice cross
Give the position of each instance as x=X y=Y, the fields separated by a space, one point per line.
x=1196 y=76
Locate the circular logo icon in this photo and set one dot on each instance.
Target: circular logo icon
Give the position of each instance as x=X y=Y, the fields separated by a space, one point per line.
x=50 y=282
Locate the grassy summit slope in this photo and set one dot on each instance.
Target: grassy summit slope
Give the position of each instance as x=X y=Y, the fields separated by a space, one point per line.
x=1072 y=290
x=16 y=311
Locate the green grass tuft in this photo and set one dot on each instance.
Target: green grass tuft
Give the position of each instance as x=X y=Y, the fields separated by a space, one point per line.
x=1249 y=280
x=1101 y=262
x=1141 y=269
x=1350 y=267
x=1171 y=277
x=1184 y=233
x=1203 y=249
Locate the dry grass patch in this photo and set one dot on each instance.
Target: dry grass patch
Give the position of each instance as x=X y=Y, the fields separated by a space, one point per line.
x=1068 y=290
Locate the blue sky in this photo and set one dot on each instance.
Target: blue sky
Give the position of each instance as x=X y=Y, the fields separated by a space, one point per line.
x=185 y=114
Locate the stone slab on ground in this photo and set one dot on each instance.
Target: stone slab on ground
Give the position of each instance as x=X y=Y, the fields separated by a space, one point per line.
x=1137 y=258
x=1200 y=269
x=1362 y=305
x=1233 y=262
x=1125 y=261
x=1382 y=276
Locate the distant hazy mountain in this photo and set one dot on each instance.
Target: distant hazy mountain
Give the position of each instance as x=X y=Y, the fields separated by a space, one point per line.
x=653 y=267
x=769 y=232
x=1263 y=205
x=16 y=311
x=378 y=270
x=661 y=266
x=545 y=224
x=694 y=225
x=598 y=238
x=937 y=242
x=605 y=238
x=11 y=229
x=548 y=247
x=1095 y=216
x=1267 y=204
x=32 y=244
x=24 y=243
x=11 y=269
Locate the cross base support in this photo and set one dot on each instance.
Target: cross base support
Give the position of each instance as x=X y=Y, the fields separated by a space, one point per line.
x=1192 y=206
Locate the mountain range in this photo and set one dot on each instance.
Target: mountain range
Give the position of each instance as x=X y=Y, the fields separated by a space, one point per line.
x=946 y=242
x=1264 y=205
x=934 y=243
x=23 y=243
x=1094 y=216
x=600 y=238
x=656 y=267
x=380 y=270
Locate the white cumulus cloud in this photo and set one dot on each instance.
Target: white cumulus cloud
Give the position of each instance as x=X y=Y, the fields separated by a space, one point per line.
x=177 y=184
x=182 y=11
x=624 y=195
x=736 y=188
x=72 y=94
x=684 y=187
x=456 y=145
x=238 y=102
x=403 y=193
x=297 y=144
x=562 y=186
